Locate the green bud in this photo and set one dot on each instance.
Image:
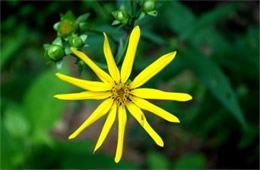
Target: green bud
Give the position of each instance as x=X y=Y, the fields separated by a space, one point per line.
x=120 y=16
x=75 y=41
x=66 y=27
x=148 y=5
x=55 y=52
x=81 y=64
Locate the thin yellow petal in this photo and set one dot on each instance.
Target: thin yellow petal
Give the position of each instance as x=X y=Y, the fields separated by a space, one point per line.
x=107 y=126
x=140 y=117
x=145 y=105
x=100 y=111
x=85 y=84
x=130 y=54
x=99 y=72
x=160 y=95
x=122 y=118
x=152 y=70
x=112 y=68
x=84 y=95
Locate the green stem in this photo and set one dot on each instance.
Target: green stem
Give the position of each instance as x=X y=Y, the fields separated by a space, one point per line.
x=100 y=32
x=132 y=7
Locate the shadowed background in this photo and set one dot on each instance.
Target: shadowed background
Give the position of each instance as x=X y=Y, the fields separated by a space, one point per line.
x=217 y=62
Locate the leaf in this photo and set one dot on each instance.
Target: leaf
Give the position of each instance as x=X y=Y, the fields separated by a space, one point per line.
x=194 y=29
x=157 y=161
x=178 y=17
x=249 y=136
x=12 y=150
x=192 y=161
x=152 y=37
x=56 y=26
x=115 y=22
x=59 y=64
x=215 y=80
x=68 y=15
x=12 y=43
x=78 y=154
x=41 y=109
x=84 y=37
x=58 y=41
x=208 y=19
x=121 y=50
x=14 y=122
x=83 y=18
x=153 y=13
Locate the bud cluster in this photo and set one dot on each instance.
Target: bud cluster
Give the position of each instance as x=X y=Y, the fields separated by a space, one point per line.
x=70 y=33
x=139 y=10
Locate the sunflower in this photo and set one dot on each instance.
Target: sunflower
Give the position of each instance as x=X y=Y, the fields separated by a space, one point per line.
x=119 y=93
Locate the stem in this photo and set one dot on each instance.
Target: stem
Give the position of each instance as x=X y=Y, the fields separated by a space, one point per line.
x=132 y=7
x=116 y=49
x=100 y=32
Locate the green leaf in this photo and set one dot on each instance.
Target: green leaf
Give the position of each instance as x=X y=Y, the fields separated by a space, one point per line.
x=79 y=154
x=153 y=13
x=178 y=17
x=14 y=122
x=192 y=161
x=12 y=150
x=41 y=109
x=115 y=22
x=40 y=136
x=58 y=41
x=12 y=43
x=215 y=80
x=121 y=50
x=181 y=20
x=249 y=136
x=59 y=64
x=82 y=18
x=157 y=161
x=56 y=26
x=84 y=37
x=208 y=19
x=152 y=37
x=68 y=15
x=141 y=16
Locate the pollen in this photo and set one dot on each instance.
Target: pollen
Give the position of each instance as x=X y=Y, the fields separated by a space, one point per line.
x=120 y=93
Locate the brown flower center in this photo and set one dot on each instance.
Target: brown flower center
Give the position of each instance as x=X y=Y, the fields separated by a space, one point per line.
x=120 y=93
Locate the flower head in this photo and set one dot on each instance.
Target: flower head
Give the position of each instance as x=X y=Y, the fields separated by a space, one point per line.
x=120 y=94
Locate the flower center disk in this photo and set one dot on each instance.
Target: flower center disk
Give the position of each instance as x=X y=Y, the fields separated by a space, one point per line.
x=120 y=93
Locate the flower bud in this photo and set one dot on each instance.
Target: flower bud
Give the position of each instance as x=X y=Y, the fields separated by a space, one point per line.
x=120 y=16
x=55 y=52
x=66 y=27
x=148 y=5
x=75 y=41
x=81 y=64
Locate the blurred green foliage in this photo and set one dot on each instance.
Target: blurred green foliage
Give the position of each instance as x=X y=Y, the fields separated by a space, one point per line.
x=217 y=63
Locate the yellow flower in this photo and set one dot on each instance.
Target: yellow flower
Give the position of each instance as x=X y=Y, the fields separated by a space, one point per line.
x=120 y=94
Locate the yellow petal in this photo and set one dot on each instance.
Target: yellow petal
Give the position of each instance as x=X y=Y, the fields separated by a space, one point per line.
x=84 y=95
x=160 y=95
x=100 y=111
x=121 y=131
x=130 y=54
x=107 y=126
x=140 y=117
x=145 y=105
x=112 y=68
x=85 y=84
x=99 y=72
x=152 y=70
